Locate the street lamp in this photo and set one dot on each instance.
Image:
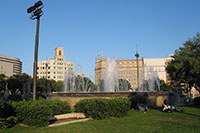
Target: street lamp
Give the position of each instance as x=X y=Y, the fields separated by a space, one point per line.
x=36 y=13
x=137 y=56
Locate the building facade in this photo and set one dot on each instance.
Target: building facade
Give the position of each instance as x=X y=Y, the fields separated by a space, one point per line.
x=10 y=66
x=127 y=69
x=157 y=65
x=55 y=68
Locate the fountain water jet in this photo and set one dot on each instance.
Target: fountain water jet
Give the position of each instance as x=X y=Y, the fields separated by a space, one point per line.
x=111 y=76
x=151 y=82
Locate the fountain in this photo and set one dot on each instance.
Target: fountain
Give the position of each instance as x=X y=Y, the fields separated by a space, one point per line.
x=26 y=90
x=75 y=82
x=76 y=88
x=151 y=82
x=111 y=76
x=6 y=94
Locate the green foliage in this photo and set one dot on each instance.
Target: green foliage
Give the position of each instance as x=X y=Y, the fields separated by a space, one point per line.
x=11 y=121
x=8 y=122
x=150 y=122
x=1 y=109
x=6 y=110
x=167 y=87
x=137 y=99
x=124 y=85
x=81 y=84
x=196 y=101
x=33 y=113
x=16 y=82
x=103 y=108
x=59 y=107
x=3 y=79
x=184 y=68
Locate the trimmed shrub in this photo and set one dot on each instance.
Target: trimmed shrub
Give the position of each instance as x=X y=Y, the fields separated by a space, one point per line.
x=103 y=108
x=6 y=110
x=196 y=101
x=119 y=107
x=2 y=124
x=137 y=99
x=82 y=106
x=33 y=113
x=59 y=107
x=8 y=122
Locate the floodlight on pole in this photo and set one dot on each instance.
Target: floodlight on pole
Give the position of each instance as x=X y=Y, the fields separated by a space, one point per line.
x=36 y=12
x=138 y=77
x=30 y=9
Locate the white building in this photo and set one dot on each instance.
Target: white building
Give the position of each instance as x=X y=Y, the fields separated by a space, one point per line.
x=10 y=66
x=157 y=65
x=55 y=68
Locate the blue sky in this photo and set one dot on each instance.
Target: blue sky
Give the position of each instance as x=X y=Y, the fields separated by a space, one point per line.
x=87 y=27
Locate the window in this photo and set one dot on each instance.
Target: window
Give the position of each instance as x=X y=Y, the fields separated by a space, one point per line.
x=60 y=53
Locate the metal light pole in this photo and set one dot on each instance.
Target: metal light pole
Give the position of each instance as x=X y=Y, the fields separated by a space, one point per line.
x=36 y=12
x=138 y=80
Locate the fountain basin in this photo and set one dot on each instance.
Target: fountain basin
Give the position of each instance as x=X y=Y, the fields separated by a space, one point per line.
x=154 y=99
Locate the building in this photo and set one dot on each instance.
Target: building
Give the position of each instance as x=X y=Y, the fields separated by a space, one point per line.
x=10 y=66
x=55 y=68
x=157 y=65
x=127 y=69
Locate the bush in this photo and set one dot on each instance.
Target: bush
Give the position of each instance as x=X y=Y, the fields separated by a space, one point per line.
x=196 y=101
x=1 y=109
x=33 y=113
x=137 y=99
x=119 y=107
x=59 y=107
x=103 y=108
x=8 y=122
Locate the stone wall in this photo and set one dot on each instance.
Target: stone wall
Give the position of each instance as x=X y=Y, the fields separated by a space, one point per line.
x=154 y=99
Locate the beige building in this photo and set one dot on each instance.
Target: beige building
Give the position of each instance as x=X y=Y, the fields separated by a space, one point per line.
x=157 y=65
x=10 y=66
x=127 y=69
x=55 y=68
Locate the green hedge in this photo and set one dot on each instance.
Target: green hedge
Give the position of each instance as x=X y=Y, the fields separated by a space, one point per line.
x=103 y=108
x=33 y=113
x=137 y=99
x=8 y=122
x=59 y=107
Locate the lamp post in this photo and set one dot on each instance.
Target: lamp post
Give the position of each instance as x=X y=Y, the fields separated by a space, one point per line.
x=36 y=13
x=137 y=56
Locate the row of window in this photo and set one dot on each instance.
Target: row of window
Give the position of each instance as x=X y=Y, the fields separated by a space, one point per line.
x=49 y=72
x=55 y=64
x=54 y=77
x=60 y=68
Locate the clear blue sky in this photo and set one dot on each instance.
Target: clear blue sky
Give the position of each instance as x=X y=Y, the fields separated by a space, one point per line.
x=87 y=27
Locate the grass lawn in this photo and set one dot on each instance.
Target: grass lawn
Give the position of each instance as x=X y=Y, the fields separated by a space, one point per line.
x=152 y=121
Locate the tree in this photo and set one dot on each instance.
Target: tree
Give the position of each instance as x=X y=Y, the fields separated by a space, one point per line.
x=57 y=86
x=167 y=87
x=124 y=85
x=3 y=79
x=16 y=83
x=184 y=68
x=84 y=84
